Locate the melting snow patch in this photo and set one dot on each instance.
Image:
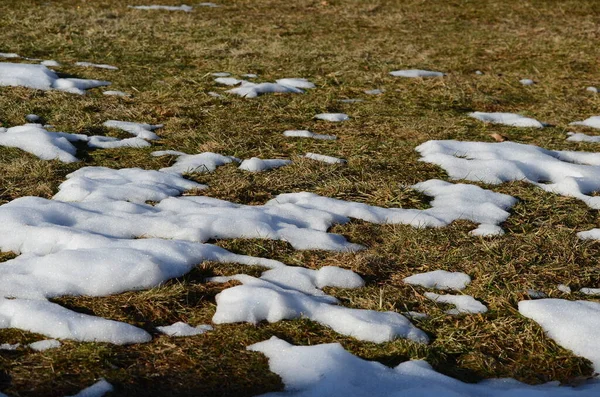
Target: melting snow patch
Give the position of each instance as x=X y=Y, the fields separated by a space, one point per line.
x=250 y=75
x=258 y=165
x=98 y=389
x=296 y=82
x=564 y=288
x=354 y=100
x=167 y=8
x=592 y=89
x=8 y=346
x=580 y=137
x=527 y=82
x=573 y=174
x=252 y=90
x=33 y=118
x=416 y=73
x=141 y=130
x=211 y=5
x=335 y=117
x=96 y=65
x=572 y=324
x=9 y=55
x=375 y=92
x=512 y=119
x=463 y=303
x=593 y=122
x=220 y=74
x=325 y=159
x=228 y=81
x=329 y=370
x=188 y=163
x=308 y=134
x=183 y=329
x=41 y=78
x=590 y=291
x=106 y=142
x=214 y=94
x=116 y=93
x=440 y=279
x=44 y=345
x=534 y=294
x=50 y=62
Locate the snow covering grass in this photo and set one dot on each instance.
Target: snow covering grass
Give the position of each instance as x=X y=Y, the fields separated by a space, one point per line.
x=165 y=60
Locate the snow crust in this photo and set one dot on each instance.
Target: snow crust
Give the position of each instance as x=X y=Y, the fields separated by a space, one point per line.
x=325 y=159
x=416 y=73
x=512 y=119
x=96 y=65
x=259 y=165
x=593 y=122
x=189 y=163
x=568 y=173
x=440 y=279
x=329 y=370
x=334 y=117
x=140 y=130
x=308 y=134
x=44 y=345
x=41 y=78
x=572 y=324
x=463 y=303
x=182 y=329
x=167 y=8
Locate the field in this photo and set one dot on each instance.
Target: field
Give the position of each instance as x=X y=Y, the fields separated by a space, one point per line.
x=165 y=60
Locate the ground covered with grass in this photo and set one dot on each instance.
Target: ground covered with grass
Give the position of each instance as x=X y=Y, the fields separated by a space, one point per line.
x=165 y=61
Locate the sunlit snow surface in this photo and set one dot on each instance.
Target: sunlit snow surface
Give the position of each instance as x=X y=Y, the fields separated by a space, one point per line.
x=568 y=173
x=440 y=279
x=329 y=370
x=41 y=78
x=512 y=119
x=416 y=73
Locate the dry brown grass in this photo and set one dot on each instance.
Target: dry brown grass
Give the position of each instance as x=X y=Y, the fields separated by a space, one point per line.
x=345 y=47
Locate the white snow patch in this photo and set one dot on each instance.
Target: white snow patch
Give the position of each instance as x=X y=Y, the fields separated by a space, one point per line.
x=572 y=324
x=250 y=75
x=167 y=8
x=325 y=159
x=258 y=165
x=182 y=329
x=189 y=163
x=96 y=65
x=106 y=142
x=8 y=346
x=103 y=184
x=44 y=345
x=208 y=4
x=50 y=62
x=487 y=231
x=568 y=173
x=463 y=303
x=593 y=122
x=590 y=291
x=564 y=288
x=351 y=100
x=527 y=82
x=46 y=145
x=440 y=279
x=296 y=82
x=41 y=78
x=228 y=81
x=308 y=134
x=214 y=94
x=329 y=370
x=335 y=117
x=512 y=119
x=252 y=90
x=416 y=73
x=116 y=93
x=581 y=137
x=220 y=74
x=9 y=55
x=592 y=89
x=98 y=389
x=478 y=72
x=141 y=130
x=415 y=315
x=33 y=118
x=377 y=91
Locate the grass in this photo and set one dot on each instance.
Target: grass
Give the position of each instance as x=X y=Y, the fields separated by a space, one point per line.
x=165 y=60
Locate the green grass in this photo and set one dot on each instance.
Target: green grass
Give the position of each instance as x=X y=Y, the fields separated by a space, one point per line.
x=165 y=60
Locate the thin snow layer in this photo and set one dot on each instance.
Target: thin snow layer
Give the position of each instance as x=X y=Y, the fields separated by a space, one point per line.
x=140 y=130
x=8 y=346
x=252 y=90
x=325 y=159
x=440 y=279
x=44 y=345
x=98 y=389
x=329 y=370
x=335 y=117
x=592 y=89
x=182 y=329
x=416 y=73
x=463 y=303
x=228 y=81
x=189 y=163
x=296 y=82
x=34 y=139
x=9 y=55
x=96 y=65
x=50 y=62
x=106 y=142
x=167 y=8
x=580 y=137
x=116 y=93
x=101 y=184
x=260 y=299
x=220 y=74
x=41 y=78
x=590 y=291
x=55 y=321
x=568 y=173
x=258 y=165
x=593 y=122
x=512 y=119
x=527 y=82
x=572 y=324
x=308 y=134
x=376 y=91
